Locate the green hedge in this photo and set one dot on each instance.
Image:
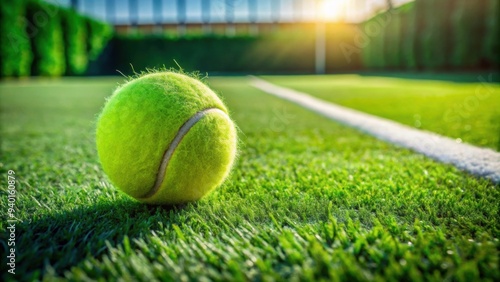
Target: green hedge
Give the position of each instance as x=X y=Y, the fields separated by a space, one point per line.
x=407 y=53
x=15 y=49
x=216 y=53
x=99 y=35
x=419 y=28
x=75 y=39
x=392 y=38
x=436 y=34
x=373 y=52
x=367 y=49
x=284 y=51
x=47 y=40
x=343 y=47
x=470 y=31
x=492 y=41
x=43 y=39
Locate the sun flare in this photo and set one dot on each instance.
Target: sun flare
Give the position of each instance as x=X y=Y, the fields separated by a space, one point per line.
x=332 y=10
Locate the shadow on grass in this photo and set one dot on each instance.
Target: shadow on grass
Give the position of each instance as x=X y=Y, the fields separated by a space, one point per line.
x=63 y=240
x=459 y=77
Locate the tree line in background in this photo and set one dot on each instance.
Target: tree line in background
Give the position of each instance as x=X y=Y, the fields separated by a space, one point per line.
x=43 y=39
x=434 y=35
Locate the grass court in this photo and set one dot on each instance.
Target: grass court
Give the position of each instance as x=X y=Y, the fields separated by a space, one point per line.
x=308 y=199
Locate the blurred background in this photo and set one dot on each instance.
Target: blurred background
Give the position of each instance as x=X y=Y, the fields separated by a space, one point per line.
x=102 y=37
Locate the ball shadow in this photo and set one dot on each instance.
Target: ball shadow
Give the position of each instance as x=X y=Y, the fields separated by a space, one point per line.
x=62 y=240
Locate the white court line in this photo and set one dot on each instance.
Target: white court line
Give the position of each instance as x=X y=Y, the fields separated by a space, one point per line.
x=477 y=161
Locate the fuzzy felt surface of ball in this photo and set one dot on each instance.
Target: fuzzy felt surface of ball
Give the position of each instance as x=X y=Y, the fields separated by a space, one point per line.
x=166 y=138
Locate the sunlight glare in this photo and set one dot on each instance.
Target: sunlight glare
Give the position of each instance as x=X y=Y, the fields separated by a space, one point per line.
x=332 y=10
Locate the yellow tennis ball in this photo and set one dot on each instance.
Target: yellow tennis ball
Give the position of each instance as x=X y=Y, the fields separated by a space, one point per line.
x=166 y=138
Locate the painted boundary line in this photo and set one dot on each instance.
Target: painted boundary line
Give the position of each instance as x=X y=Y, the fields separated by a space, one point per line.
x=477 y=161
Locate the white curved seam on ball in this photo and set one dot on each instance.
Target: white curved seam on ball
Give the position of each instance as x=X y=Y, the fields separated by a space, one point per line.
x=183 y=130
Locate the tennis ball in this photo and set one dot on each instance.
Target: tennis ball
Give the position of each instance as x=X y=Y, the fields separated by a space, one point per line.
x=165 y=138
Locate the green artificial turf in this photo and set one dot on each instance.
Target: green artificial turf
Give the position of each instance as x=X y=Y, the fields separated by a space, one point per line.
x=308 y=200
x=468 y=112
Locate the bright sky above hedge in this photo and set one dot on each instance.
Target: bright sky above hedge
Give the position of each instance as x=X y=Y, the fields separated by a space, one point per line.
x=288 y=10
